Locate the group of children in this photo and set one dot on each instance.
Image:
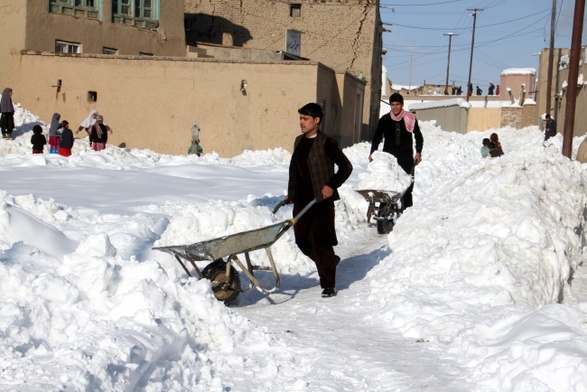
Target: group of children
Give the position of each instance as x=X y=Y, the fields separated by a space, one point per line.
x=491 y=147
x=61 y=136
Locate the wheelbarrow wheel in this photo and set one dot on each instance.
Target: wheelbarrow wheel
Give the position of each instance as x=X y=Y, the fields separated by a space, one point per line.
x=226 y=288
x=385 y=221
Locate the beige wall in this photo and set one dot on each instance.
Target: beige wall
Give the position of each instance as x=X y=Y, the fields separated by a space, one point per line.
x=558 y=103
x=514 y=82
x=152 y=102
x=343 y=35
x=44 y=28
x=482 y=119
x=518 y=117
x=13 y=25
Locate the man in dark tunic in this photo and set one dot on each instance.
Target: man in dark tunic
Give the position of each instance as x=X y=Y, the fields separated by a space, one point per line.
x=399 y=128
x=312 y=175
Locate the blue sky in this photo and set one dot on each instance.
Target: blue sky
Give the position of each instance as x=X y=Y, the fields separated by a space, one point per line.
x=508 y=34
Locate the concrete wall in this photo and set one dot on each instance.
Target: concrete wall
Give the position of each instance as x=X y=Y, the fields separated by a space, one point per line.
x=152 y=102
x=451 y=118
x=344 y=35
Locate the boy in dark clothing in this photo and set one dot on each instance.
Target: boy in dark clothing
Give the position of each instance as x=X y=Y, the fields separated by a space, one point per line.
x=38 y=140
x=311 y=175
x=66 y=142
x=99 y=134
x=7 y=116
x=399 y=128
x=549 y=127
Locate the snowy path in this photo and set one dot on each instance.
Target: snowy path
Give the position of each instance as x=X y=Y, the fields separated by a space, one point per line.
x=312 y=327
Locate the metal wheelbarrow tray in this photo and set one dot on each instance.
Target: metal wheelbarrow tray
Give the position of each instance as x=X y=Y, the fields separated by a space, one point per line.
x=385 y=206
x=222 y=251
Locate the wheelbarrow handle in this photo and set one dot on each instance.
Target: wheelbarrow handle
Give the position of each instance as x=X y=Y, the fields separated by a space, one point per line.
x=317 y=199
x=306 y=208
x=279 y=205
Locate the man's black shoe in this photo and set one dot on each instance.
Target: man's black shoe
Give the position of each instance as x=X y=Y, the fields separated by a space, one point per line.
x=328 y=292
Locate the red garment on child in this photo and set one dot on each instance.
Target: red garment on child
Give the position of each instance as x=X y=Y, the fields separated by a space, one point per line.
x=64 y=151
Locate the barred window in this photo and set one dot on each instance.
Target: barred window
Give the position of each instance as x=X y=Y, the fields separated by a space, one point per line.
x=295 y=10
x=106 y=50
x=139 y=13
x=67 y=47
x=86 y=8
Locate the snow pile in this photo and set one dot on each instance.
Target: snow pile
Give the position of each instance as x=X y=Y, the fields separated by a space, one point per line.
x=470 y=292
x=384 y=174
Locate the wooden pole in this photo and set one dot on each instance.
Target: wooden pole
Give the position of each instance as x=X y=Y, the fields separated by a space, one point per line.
x=550 y=58
x=571 y=94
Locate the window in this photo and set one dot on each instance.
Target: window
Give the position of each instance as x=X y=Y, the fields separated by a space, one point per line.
x=139 y=13
x=67 y=47
x=295 y=10
x=106 y=50
x=87 y=8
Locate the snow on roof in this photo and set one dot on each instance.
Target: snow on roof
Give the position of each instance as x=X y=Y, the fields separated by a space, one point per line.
x=519 y=71
x=399 y=87
x=416 y=105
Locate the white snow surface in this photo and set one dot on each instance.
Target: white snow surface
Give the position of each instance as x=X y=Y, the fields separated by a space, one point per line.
x=518 y=71
x=479 y=287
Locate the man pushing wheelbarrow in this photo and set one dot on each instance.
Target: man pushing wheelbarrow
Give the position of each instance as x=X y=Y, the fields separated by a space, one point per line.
x=312 y=189
x=312 y=175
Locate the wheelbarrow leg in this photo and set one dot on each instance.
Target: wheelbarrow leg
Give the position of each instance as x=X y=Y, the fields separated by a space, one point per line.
x=249 y=272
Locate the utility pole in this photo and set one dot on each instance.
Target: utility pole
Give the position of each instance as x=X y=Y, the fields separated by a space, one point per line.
x=410 y=83
x=573 y=77
x=550 y=58
x=448 y=63
x=474 y=10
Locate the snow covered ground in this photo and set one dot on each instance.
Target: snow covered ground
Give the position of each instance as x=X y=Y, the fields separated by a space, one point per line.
x=470 y=292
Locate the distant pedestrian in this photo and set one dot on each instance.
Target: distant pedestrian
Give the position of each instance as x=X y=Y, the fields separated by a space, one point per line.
x=491 y=88
x=99 y=134
x=88 y=122
x=38 y=140
x=54 y=133
x=67 y=139
x=549 y=127
x=7 y=110
x=478 y=91
x=497 y=91
x=485 y=148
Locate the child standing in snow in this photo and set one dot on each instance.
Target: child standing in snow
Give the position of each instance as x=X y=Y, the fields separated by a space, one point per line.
x=66 y=142
x=7 y=110
x=99 y=134
x=38 y=140
x=485 y=148
x=54 y=133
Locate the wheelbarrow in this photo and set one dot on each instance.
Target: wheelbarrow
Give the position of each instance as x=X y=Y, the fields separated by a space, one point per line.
x=223 y=251
x=384 y=206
